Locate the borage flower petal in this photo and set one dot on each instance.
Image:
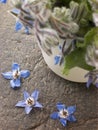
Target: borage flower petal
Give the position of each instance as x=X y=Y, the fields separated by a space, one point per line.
x=24 y=73
x=57 y=59
x=15 y=11
x=15 y=83
x=27 y=30
x=18 y=26
x=71 y=118
x=15 y=67
x=37 y=104
x=35 y=95
x=3 y=1
x=92 y=78
x=60 y=106
x=71 y=109
x=21 y=104
x=28 y=109
x=26 y=95
x=63 y=122
x=89 y=82
x=54 y=115
x=96 y=85
x=7 y=75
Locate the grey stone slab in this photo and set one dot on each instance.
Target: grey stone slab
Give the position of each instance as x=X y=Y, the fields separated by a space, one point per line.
x=21 y=48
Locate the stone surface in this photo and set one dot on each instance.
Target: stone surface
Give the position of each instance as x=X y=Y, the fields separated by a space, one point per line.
x=21 y=48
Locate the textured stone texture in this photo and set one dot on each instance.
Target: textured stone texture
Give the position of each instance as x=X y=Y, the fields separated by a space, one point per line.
x=21 y=48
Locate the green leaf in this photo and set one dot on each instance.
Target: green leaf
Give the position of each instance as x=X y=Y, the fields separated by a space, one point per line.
x=80 y=45
x=89 y=38
x=76 y=59
x=96 y=41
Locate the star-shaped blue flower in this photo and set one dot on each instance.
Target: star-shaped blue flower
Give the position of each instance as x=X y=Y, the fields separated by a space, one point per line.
x=29 y=101
x=16 y=75
x=3 y=1
x=64 y=114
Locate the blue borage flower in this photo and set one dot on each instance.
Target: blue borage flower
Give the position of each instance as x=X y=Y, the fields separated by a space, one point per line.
x=65 y=114
x=29 y=101
x=92 y=78
x=19 y=26
x=57 y=59
x=15 y=11
x=16 y=75
x=89 y=82
x=3 y=1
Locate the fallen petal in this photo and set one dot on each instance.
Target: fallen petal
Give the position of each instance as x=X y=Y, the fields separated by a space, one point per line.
x=35 y=95
x=71 y=109
x=21 y=104
x=24 y=73
x=7 y=75
x=60 y=106
x=71 y=118
x=28 y=109
x=63 y=122
x=38 y=105
x=26 y=95
x=54 y=115
x=15 y=66
x=15 y=83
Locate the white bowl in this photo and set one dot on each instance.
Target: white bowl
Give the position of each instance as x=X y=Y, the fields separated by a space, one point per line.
x=76 y=74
